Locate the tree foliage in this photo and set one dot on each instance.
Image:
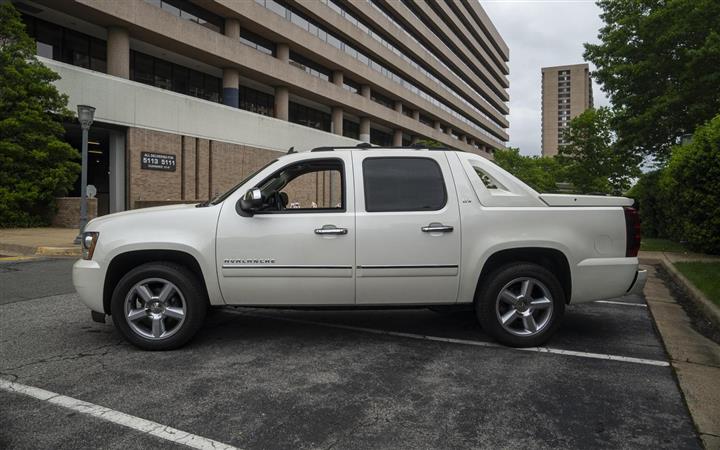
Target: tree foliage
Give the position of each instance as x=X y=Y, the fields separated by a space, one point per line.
x=35 y=164
x=659 y=61
x=592 y=160
x=540 y=173
x=682 y=201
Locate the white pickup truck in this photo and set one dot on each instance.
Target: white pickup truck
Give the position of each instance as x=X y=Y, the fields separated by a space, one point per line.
x=362 y=228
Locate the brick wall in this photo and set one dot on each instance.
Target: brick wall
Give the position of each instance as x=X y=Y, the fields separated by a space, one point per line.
x=68 y=211
x=204 y=168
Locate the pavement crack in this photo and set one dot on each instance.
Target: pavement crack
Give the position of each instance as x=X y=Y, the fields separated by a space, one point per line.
x=100 y=351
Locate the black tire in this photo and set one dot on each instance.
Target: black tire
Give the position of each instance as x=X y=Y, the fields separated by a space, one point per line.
x=191 y=297
x=489 y=307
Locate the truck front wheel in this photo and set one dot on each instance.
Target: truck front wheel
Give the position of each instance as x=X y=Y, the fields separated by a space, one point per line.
x=520 y=305
x=158 y=306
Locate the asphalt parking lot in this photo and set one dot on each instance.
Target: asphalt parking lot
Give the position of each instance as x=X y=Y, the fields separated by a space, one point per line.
x=364 y=379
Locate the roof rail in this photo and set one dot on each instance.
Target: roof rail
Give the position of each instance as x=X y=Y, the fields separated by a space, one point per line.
x=366 y=146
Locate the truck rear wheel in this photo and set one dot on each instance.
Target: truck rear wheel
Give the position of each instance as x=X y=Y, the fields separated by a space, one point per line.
x=520 y=305
x=158 y=306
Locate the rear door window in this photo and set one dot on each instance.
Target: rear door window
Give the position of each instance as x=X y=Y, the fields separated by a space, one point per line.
x=403 y=184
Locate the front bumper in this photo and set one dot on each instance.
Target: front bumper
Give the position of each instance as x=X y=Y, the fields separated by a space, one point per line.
x=637 y=287
x=88 y=280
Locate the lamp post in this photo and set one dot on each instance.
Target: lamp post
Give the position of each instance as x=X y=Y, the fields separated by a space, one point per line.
x=85 y=117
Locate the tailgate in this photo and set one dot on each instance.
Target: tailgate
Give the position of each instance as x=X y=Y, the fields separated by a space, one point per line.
x=584 y=200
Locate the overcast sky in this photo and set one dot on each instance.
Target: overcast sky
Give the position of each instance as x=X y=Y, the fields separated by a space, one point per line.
x=540 y=33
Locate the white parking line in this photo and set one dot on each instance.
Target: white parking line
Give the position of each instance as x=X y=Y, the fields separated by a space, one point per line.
x=136 y=423
x=610 y=302
x=555 y=351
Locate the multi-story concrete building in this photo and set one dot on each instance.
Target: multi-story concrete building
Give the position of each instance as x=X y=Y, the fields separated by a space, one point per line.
x=216 y=88
x=566 y=93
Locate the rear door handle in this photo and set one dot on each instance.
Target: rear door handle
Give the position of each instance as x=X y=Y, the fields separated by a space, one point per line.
x=330 y=229
x=436 y=227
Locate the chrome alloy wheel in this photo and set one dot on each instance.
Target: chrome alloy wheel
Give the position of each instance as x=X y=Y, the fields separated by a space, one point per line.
x=524 y=306
x=155 y=308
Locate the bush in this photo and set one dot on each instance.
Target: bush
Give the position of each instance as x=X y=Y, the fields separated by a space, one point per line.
x=691 y=186
x=682 y=201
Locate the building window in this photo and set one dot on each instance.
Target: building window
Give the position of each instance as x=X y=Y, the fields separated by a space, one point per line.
x=257 y=101
x=382 y=99
x=378 y=137
x=426 y=120
x=166 y=75
x=309 y=117
x=309 y=66
x=259 y=43
x=65 y=45
x=188 y=11
x=350 y=85
x=351 y=129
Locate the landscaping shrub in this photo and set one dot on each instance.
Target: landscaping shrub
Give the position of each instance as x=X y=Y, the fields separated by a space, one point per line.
x=691 y=187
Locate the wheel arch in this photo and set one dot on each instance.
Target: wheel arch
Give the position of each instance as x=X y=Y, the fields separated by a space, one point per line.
x=124 y=262
x=552 y=259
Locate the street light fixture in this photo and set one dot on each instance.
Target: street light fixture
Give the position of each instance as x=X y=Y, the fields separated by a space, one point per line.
x=85 y=117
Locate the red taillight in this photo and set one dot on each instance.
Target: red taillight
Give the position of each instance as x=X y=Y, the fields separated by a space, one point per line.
x=632 y=231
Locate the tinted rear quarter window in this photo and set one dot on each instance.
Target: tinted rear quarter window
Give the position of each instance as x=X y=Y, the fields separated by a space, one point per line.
x=403 y=184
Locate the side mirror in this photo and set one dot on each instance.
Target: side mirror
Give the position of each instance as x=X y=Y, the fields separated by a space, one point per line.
x=250 y=202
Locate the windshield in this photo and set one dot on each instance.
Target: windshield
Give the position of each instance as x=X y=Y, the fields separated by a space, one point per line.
x=227 y=194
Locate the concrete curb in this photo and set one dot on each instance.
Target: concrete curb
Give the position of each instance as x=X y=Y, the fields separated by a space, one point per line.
x=711 y=311
x=27 y=250
x=58 y=251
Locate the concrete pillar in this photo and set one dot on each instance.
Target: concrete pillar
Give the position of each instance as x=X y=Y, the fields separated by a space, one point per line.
x=232 y=28
x=463 y=138
x=282 y=102
x=365 y=91
x=118 y=52
x=471 y=141
x=438 y=127
x=337 y=120
x=231 y=82
x=338 y=78
x=365 y=129
x=282 y=52
x=399 y=107
x=415 y=139
x=416 y=115
x=397 y=137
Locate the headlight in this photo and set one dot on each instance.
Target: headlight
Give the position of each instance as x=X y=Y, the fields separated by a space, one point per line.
x=88 y=241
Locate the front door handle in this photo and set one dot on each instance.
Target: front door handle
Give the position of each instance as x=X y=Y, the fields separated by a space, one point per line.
x=330 y=229
x=436 y=227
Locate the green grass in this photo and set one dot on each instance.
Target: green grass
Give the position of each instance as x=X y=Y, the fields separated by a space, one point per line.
x=660 y=245
x=705 y=276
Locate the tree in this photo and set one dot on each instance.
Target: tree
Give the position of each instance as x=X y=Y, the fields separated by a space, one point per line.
x=540 y=173
x=659 y=61
x=592 y=160
x=35 y=164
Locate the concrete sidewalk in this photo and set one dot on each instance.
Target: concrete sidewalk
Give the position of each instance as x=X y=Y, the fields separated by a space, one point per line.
x=38 y=241
x=674 y=257
x=695 y=358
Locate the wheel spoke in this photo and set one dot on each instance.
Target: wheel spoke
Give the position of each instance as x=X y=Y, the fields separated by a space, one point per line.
x=174 y=312
x=167 y=291
x=144 y=293
x=527 y=288
x=508 y=297
x=529 y=323
x=540 y=303
x=136 y=314
x=509 y=317
x=158 y=327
